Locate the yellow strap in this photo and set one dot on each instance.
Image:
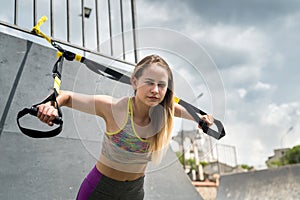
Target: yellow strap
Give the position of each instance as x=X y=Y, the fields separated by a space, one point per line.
x=56 y=85
x=78 y=57
x=59 y=54
x=176 y=99
x=38 y=31
x=41 y=21
x=46 y=37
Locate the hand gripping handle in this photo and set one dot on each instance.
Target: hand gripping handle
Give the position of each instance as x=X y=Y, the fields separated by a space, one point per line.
x=33 y=111
x=193 y=112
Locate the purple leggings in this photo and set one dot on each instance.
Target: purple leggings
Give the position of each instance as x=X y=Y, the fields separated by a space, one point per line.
x=89 y=184
x=99 y=186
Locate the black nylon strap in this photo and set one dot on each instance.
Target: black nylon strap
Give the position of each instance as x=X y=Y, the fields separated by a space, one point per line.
x=100 y=69
x=57 y=68
x=115 y=75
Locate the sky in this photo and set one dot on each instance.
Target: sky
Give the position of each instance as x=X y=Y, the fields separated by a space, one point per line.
x=242 y=55
x=254 y=45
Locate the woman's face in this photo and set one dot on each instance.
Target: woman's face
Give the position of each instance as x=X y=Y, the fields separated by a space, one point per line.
x=152 y=85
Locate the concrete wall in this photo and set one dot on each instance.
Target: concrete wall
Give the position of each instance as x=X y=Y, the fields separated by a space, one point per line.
x=279 y=183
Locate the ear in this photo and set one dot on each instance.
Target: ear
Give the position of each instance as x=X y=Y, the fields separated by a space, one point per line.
x=133 y=81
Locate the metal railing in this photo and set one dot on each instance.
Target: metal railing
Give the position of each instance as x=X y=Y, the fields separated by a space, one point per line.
x=105 y=6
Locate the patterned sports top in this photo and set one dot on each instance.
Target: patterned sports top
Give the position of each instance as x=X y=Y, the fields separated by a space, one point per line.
x=124 y=150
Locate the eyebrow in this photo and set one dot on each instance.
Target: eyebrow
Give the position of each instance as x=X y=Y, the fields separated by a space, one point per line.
x=150 y=79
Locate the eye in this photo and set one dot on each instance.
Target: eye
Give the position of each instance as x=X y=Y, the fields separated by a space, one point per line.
x=162 y=85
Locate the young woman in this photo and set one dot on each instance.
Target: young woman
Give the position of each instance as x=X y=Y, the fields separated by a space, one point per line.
x=138 y=130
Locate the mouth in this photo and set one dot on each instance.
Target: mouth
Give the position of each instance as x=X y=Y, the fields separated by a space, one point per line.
x=153 y=98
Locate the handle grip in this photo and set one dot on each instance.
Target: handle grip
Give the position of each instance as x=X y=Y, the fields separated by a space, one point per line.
x=34 y=110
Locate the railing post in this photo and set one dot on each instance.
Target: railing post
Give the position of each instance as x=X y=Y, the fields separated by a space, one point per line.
x=68 y=20
x=133 y=14
x=34 y=13
x=16 y=12
x=110 y=28
x=97 y=26
x=82 y=22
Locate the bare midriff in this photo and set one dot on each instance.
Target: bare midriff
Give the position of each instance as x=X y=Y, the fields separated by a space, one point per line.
x=116 y=174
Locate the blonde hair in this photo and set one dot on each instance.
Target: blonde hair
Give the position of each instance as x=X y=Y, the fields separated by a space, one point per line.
x=163 y=121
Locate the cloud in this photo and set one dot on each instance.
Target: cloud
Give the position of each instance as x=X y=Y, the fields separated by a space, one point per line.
x=283 y=114
x=243 y=12
x=242 y=92
x=262 y=86
x=255 y=47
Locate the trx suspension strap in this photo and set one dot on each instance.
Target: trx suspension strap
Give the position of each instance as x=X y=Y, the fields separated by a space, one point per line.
x=33 y=110
x=117 y=76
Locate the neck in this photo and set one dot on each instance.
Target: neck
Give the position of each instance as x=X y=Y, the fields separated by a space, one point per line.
x=141 y=112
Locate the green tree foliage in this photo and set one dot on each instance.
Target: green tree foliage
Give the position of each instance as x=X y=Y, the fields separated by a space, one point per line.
x=180 y=157
x=247 y=167
x=292 y=156
x=203 y=163
x=277 y=163
x=192 y=163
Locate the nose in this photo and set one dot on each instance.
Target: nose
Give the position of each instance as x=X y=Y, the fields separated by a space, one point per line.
x=154 y=88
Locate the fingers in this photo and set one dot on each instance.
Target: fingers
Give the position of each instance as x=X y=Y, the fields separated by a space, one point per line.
x=47 y=113
x=208 y=119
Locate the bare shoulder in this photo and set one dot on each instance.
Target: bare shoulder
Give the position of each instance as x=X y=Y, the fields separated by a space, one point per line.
x=117 y=115
x=109 y=101
x=120 y=103
x=119 y=106
x=103 y=105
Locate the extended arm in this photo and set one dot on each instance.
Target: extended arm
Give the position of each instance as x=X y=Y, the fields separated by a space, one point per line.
x=93 y=104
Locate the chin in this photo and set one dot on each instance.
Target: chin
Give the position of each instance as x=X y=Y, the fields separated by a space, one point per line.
x=153 y=103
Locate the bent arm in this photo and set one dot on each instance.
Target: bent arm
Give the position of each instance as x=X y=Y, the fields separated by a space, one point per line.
x=181 y=112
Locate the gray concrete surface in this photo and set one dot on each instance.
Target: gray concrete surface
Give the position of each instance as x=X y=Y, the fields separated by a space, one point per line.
x=281 y=183
x=54 y=168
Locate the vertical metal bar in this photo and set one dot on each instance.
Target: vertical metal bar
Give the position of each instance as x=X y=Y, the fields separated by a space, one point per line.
x=211 y=147
x=182 y=144
x=235 y=157
x=97 y=26
x=82 y=22
x=51 y=18
x=218 y=161
x=34 y=12
x=16 y=12
x=110 y=28
x=122 y=29
x=133 y=15
x=68 y=20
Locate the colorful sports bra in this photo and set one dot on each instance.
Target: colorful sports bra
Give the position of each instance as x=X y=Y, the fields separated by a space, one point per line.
x=124 y=150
